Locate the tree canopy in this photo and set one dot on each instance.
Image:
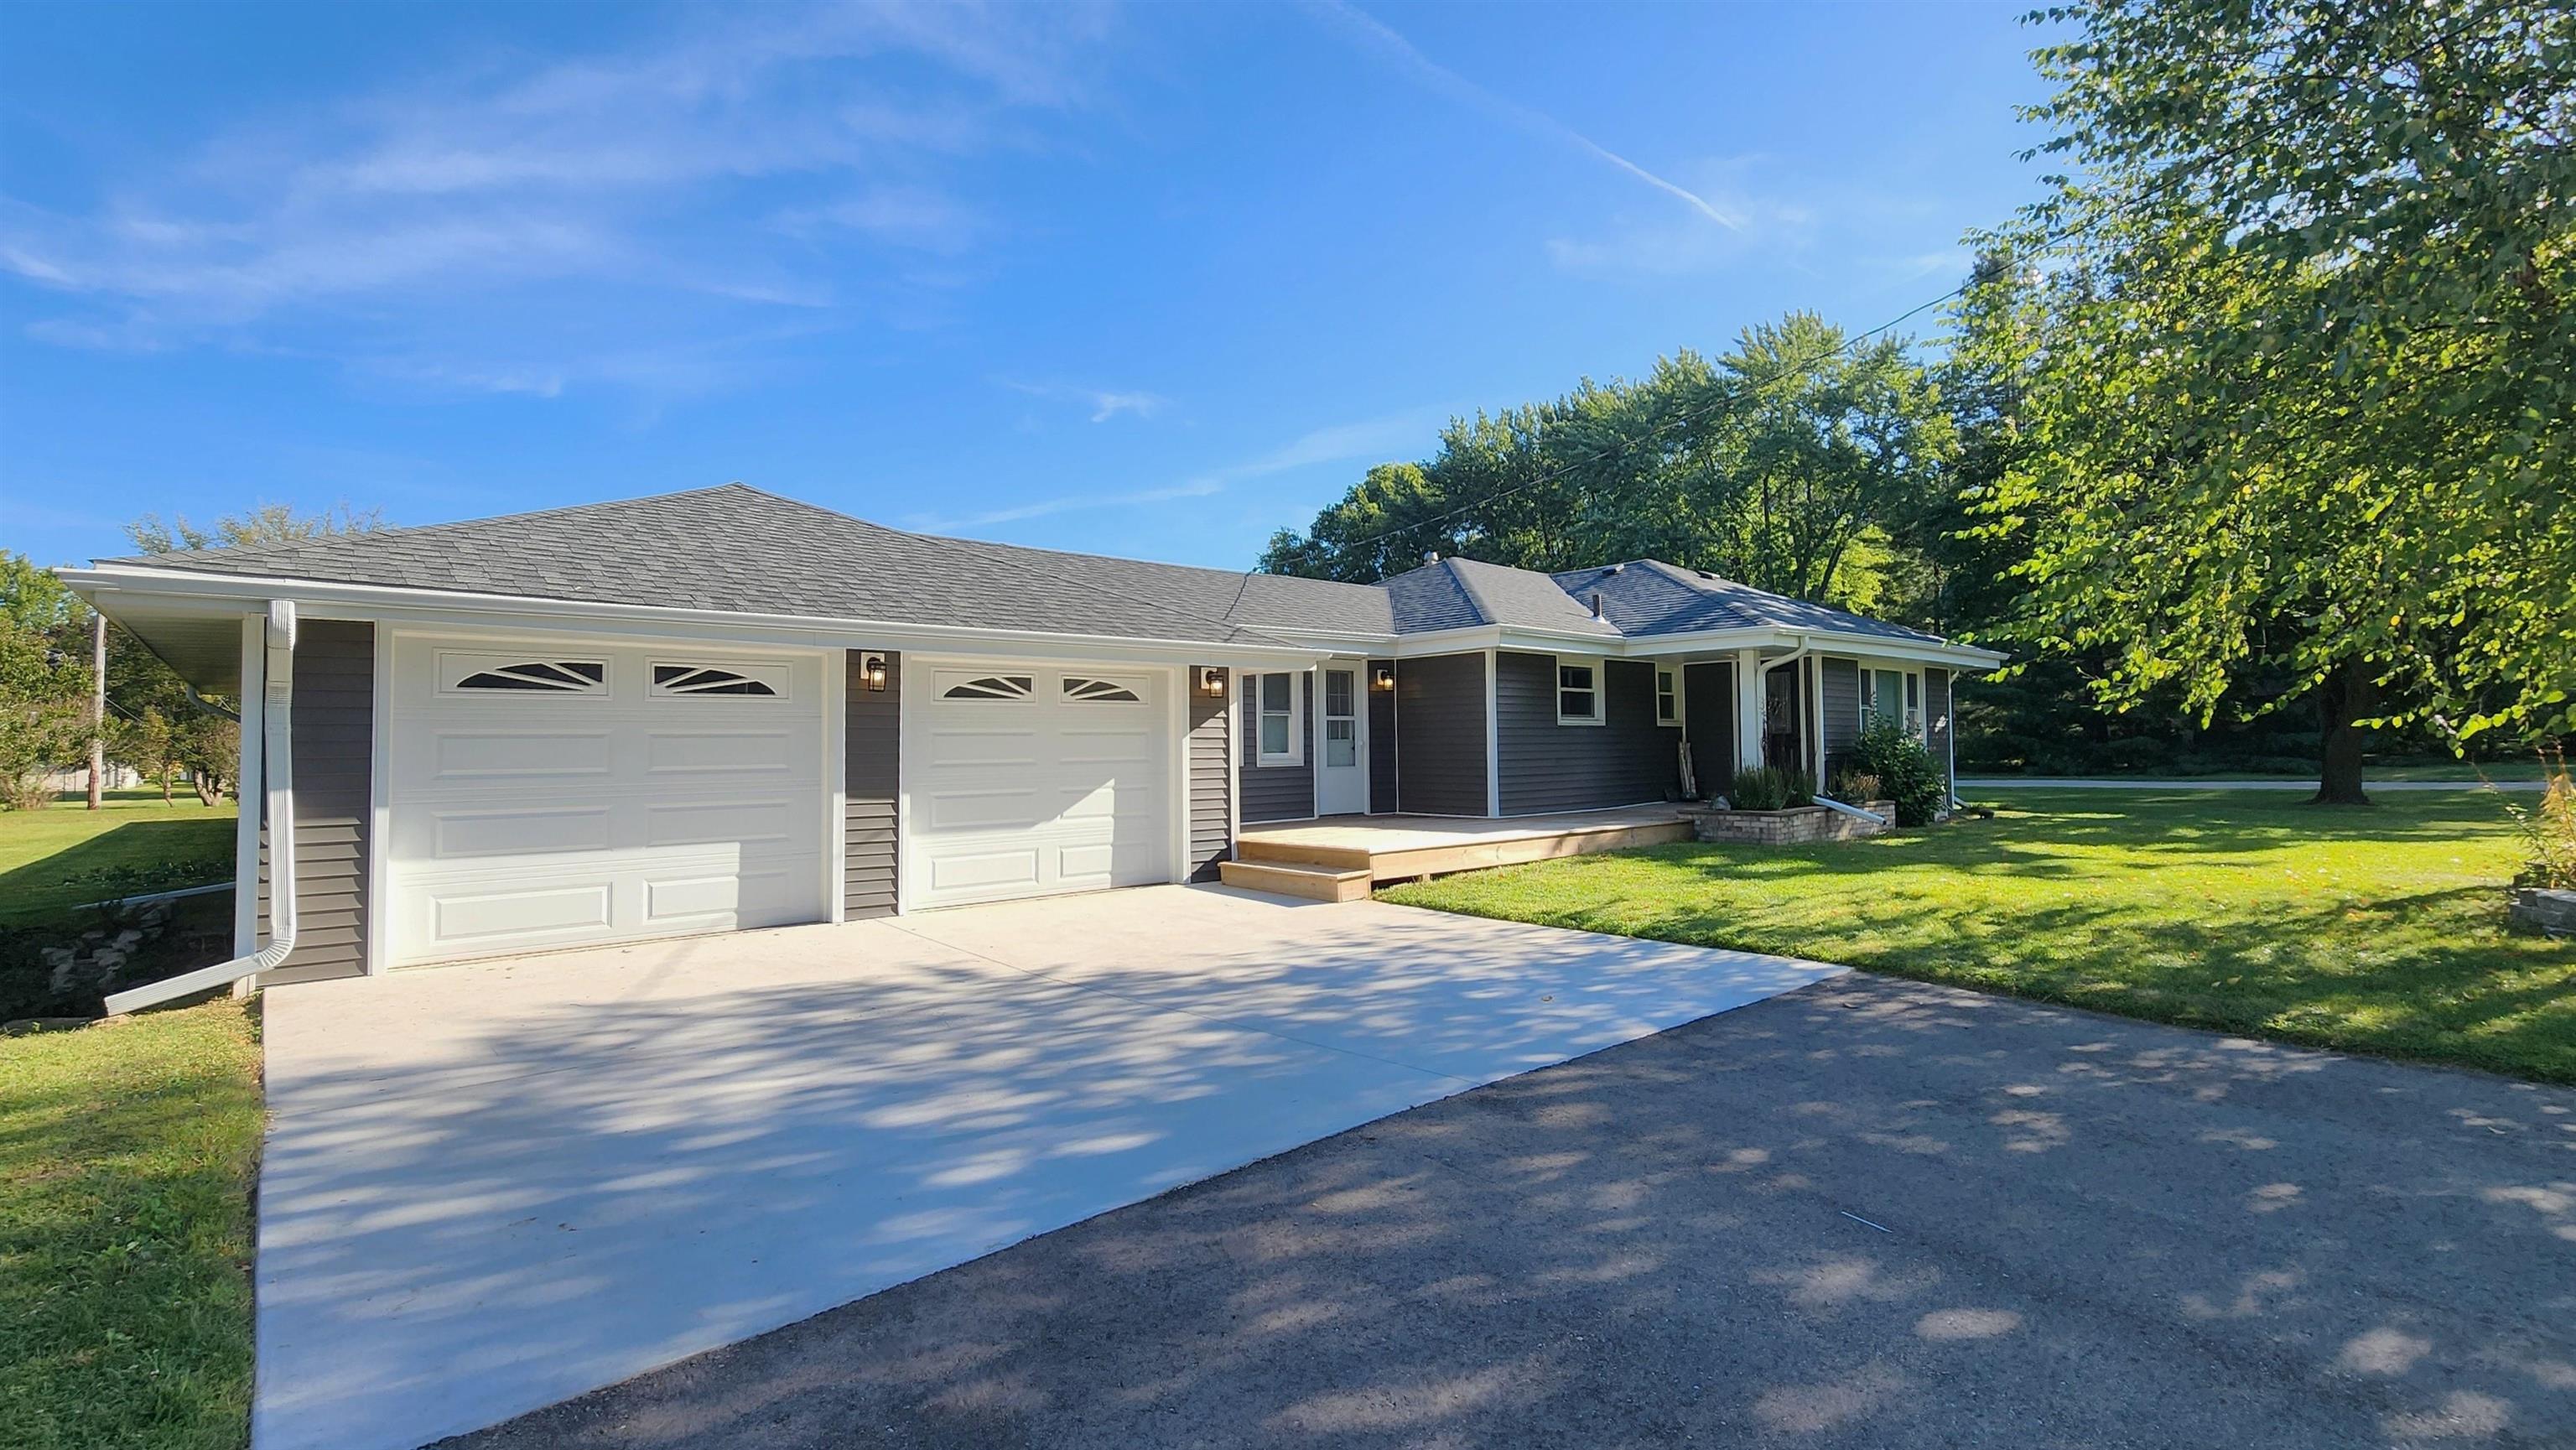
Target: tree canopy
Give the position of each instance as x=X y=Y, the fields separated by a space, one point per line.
x=1784 y=464
x=2293 y=358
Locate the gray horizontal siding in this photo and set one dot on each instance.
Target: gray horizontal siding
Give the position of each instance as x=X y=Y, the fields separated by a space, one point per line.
x=1551 y=767
x=1276 y=792
x=1383 y=794
x=1842 y=712
x=1708 y=713
x=871 y=741
x=1440 y=756
x=1211 y=836
x=332 y=731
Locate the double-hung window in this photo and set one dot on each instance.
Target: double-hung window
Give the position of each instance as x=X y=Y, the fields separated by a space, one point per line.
x=1668 y=705
x=1274 y=704
x=1578 y=694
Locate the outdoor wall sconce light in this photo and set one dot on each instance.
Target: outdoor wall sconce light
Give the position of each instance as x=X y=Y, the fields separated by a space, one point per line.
x=1383 y=677
x=1212 y=681
x=872 y=670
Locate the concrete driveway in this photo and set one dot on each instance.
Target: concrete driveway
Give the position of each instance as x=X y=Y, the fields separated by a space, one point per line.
x=487 y=1188
x=1867 y=1215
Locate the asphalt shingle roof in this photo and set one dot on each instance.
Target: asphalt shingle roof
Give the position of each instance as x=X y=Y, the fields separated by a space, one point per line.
x=736 y=549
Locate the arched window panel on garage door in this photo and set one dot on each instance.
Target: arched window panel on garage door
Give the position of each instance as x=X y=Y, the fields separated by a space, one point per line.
x=461 y=671
x=969 y=685
x=733 y=678
x=1095 y=690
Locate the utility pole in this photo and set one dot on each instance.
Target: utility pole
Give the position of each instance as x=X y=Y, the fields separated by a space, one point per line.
x=97 y=709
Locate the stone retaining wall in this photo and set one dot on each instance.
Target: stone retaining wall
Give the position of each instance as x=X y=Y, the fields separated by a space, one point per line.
x=1797 y=826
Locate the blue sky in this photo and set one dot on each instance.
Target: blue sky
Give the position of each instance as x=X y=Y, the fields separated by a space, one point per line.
x=1149 y=281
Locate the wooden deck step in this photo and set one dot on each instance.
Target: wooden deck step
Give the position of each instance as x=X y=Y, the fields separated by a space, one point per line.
x=1315 y=883
x=1293 y=852
x=1478 y=855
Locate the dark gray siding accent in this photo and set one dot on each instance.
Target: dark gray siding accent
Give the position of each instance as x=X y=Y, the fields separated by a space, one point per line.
x=1382 y=725
x=1440 y=758
x=871 y=760
x=1546 y=766
x=1211 y=835
x=1276 y=792
x=1842 y=712
x=1936 y=715
x=1708 y=711
x=333 y=735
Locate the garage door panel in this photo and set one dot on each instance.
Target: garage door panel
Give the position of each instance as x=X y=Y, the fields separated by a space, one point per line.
x=519 y=757
x=750 y=824
x=978 y=870
x=462 y=916
x=962 y=746
x=987 y=810
x=740 y=753
x=522 y=821
x=459 y=835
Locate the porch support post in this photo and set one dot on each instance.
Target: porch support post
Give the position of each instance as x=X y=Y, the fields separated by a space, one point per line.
x=250 y=790
x=1749 y=686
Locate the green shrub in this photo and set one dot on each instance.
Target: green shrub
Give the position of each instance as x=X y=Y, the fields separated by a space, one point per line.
x=1905 y=772
x=2549 y=831
x=1767 y=788
x=1852 y=787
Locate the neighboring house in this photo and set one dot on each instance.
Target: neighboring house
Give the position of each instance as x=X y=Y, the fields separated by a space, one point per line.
x=724 y=709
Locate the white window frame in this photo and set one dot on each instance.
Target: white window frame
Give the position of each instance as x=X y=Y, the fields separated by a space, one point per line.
x=1296 y=752
x=1600 y=702
x=1668 y=696
x=1909 y=707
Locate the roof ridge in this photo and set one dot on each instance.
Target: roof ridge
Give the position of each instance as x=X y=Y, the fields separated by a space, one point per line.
x=286 y=546
x=1475 y=600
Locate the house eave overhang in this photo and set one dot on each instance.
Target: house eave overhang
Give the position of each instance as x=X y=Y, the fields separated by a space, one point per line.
x=136 y=596
x=1709 y=642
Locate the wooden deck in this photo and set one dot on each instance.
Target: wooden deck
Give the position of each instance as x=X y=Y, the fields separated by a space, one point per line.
x=1400 y=848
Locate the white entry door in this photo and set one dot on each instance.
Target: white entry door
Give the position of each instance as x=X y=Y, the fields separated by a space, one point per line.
x=558 y=795
x=1341 y=769
x=1027 y=780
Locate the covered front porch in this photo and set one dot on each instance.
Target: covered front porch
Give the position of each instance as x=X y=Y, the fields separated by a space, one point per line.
x=1340 y=858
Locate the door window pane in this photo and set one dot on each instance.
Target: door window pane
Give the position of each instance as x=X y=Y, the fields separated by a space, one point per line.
x=1341 y=743
x=1337 y=692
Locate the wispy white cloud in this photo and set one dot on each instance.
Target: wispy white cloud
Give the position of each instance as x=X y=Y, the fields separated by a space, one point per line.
x=1383 y=41
x=1104 y=403
x=657 y=190
x=1792 y=221
x=1373 y=438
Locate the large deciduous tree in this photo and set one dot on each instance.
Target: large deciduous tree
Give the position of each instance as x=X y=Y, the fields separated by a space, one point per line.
x=44 y=680
x=2293 y=350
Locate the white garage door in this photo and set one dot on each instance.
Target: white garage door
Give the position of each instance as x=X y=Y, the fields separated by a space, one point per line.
x=1029 y=780
x=570 y=794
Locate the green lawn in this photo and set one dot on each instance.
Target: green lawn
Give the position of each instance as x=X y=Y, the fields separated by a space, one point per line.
x=2378 y=929
x=126 y=1156
x=41 y=851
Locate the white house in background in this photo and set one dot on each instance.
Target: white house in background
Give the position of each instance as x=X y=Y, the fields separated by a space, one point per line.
x=721 y=709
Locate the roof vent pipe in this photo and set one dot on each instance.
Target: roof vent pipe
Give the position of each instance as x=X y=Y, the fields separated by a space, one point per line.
x=1431 y=556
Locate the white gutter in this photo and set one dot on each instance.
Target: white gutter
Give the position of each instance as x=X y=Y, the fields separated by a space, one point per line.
x=276 y=717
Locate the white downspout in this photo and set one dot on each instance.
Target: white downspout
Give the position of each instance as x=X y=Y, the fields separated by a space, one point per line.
x=278 y=696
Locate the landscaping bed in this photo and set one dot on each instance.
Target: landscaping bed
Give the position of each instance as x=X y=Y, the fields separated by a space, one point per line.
x=2380 y=930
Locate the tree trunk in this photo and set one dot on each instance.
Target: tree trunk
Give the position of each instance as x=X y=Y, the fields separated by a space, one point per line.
x=2349 y=694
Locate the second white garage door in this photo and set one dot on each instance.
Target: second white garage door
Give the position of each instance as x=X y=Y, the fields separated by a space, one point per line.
x=1030 y=780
